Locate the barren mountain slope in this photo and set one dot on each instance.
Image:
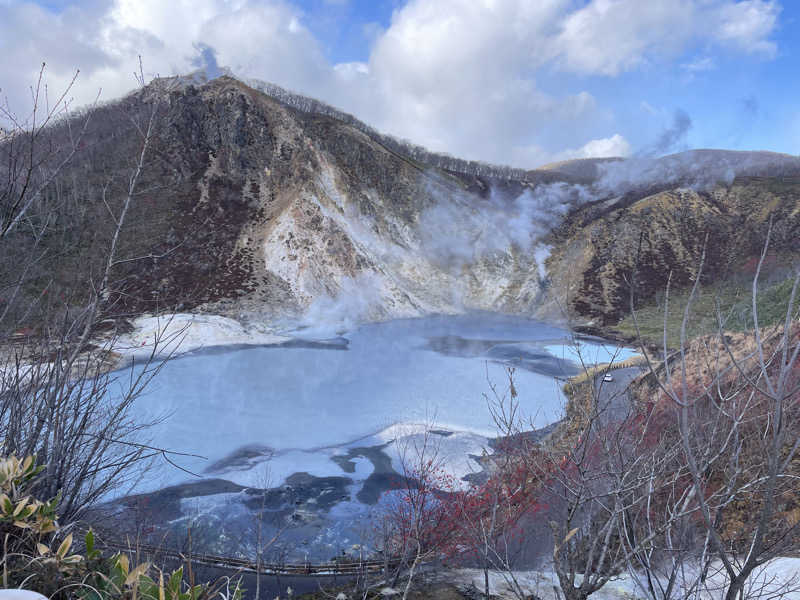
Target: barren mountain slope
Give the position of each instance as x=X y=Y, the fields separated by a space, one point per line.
x=254 y=209
x=597 y=251
x=277 y=208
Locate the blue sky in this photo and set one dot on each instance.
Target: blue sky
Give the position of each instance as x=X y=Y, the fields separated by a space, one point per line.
x=506 y=81
x=346 y=29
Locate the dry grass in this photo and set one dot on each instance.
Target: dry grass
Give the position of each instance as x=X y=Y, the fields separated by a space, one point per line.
x=712 y=375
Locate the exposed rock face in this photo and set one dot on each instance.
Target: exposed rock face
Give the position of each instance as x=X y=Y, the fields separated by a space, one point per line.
x=279 y=209
x=253 y=209
x=595 y=257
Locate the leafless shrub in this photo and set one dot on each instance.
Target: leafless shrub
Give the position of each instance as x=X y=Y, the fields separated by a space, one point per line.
x=58 y=399
x=732 y=408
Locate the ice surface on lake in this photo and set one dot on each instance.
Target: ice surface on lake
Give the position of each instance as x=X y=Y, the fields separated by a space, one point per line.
x=591 y=353
x=453 y=450
x=305 y=404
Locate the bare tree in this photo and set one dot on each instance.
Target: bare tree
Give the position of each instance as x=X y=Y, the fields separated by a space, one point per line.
x=32 y=151
x=598 y=481
x=688 y=488
x=495 y=509
x=419 y=520
x=735 y=404
x=58 y=398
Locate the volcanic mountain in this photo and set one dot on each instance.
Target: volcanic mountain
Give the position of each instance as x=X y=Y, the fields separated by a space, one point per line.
x=260 y=204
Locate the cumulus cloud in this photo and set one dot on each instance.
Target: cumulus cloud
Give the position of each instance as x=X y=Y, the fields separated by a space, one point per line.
x=608 y=37
x=612 y=36
x=748 y=25
x=460 y=76
x=104 y=38
x=616 y=146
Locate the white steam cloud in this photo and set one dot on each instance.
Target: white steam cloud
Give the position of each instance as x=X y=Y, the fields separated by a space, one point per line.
x=462 y=229
x=462 y=240
x=696 y=169
x=357 y=300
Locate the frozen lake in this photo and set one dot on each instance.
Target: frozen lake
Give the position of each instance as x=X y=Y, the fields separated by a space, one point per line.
x=304 y=403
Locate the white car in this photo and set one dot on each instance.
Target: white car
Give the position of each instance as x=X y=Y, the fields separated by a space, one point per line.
x=608 y=377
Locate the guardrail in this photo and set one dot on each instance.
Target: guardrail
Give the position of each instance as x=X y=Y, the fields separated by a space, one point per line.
x=345 y=568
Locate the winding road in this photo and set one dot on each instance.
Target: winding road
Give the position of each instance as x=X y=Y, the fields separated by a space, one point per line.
x=614 y=401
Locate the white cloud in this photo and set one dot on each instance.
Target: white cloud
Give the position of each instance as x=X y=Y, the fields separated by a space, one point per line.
x=748 y=25
x=700 y=64
x=612 y=146
x=351 y=70
x=608 y=37
x=460 y=76
x=616 y=145
x=268 y=41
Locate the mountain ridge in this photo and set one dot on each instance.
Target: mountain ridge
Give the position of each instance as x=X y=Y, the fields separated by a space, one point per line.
x=259 y=210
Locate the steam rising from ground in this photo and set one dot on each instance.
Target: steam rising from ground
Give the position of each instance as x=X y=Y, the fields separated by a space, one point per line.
x=356 y=301
x=461 y=234
x=462 y=229
x=699 y=170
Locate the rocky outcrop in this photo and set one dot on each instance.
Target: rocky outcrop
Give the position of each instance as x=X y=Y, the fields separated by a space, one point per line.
x=254 y=209
x=277 y=209
x=644 y=240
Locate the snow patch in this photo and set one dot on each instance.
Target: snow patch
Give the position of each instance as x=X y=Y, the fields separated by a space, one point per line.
x=276 y=468
x=776 y=579
x=180 y=333
x=454 y=448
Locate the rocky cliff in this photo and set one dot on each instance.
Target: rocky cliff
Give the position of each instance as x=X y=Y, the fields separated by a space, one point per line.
x=256 y=209
x=601 y=250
